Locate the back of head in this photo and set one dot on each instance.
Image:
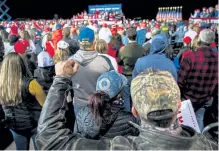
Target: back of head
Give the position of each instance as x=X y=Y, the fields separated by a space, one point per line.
x=155 y=95
x=62 y=53
x=66 y=32
x=13 y=39
x=116 y=42
x=101 y=46
x=109 y=86
x=86 y=38
x=44 y=60
x=13 y=69
x=207 y=36
x=159 y=44
x=131 y=34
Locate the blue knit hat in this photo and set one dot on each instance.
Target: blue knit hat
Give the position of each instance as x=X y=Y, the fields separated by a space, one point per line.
x=111 y=83
x=86 y=35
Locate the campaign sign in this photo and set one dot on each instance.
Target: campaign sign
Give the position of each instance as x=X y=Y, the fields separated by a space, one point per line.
x=106 y=7
x=186 y=115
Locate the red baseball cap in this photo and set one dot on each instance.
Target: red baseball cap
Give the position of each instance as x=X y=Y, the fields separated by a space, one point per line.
x=187 y=40
x=20 y=47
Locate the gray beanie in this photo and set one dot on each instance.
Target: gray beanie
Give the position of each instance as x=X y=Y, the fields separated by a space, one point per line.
x=207 y=36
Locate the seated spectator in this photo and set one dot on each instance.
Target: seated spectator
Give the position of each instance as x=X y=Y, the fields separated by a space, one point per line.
x=45 y=71
x=62 y=53
x=156 y=100
x=156 y=59
x=104 y=116
x=198 y=75
x=73 y=44
x=91 y=66
x=21 y=98
x=102 y=49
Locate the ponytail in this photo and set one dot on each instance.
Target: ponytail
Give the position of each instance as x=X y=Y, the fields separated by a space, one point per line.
x=99 y=103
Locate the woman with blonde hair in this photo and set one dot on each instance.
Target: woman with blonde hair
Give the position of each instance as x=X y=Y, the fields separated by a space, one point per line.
x=62 y=53
x=21 y=98
x=26 y=36
x=102 y=49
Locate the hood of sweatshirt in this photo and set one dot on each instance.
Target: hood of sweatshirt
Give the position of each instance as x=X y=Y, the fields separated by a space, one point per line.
x=83 y=57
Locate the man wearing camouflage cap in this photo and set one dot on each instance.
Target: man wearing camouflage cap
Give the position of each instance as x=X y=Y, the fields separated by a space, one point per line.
x=156 y=100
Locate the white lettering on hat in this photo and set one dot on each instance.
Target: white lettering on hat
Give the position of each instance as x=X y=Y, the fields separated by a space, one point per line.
x=104 y=84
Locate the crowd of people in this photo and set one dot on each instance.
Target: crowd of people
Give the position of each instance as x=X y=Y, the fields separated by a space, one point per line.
x=99 y=86
x=210 y=12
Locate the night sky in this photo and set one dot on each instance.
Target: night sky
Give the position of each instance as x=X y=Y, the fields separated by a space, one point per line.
x=36 y=9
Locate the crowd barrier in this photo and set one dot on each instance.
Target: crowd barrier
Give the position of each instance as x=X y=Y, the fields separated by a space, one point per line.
x=206 y=20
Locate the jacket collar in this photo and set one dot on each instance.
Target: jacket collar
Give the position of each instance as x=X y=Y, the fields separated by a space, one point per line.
x=188 y=137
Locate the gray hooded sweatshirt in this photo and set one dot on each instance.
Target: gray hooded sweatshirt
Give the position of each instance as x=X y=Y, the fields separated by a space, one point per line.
x=91 y=66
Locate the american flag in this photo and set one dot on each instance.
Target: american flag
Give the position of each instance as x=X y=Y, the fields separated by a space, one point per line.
x=158 y=15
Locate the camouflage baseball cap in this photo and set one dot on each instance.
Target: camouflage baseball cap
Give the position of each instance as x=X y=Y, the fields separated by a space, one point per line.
x=154 y=90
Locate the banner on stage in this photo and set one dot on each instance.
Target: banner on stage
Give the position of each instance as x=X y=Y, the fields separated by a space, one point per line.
x=106 y=7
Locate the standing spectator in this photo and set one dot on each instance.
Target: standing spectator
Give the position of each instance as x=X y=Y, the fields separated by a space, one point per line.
x=104 y=116
x=9 y=46
x=73 y=44
x=105 y=33
x=198 y=75
x=156 y=101
x=157 y=58
x=179 y=37
x=45 y=71
x=21 y=98
x=127 y=58
x=141 y=34
x=91 y=66
x=44 y=36
x=62 y=53
x=113 y=48
x=102 y=49
x=190 y=33
x=187 y=46
x=147 y=45
x=74 y=34
x=26 y=36
x=49 y=46
x=57 y=35
x=121 y=31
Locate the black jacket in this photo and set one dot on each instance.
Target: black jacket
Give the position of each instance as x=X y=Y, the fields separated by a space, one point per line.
x=118 y=125
x=45 y=77
x=24 y=116
x=53 y=134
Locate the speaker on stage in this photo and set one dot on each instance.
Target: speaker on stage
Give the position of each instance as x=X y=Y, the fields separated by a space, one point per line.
x=56 y=16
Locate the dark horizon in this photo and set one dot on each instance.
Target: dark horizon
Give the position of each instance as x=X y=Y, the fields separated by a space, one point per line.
x=66 y=8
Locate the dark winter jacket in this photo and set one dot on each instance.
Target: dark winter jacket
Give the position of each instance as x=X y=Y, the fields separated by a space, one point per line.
x=24 y=116
x=45 y=77
x=118 y=125
x=54 y=135
x=128 y=57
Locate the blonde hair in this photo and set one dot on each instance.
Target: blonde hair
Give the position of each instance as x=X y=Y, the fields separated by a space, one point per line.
x=13 y=69
x=195 y=43
x=25 y=35
x=61 y=55
x=101 y=46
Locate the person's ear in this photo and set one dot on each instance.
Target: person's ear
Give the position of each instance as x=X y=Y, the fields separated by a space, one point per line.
x=134 y=112
x=179 y=104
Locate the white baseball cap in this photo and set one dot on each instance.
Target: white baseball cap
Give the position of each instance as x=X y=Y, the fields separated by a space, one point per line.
x=62 y=44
